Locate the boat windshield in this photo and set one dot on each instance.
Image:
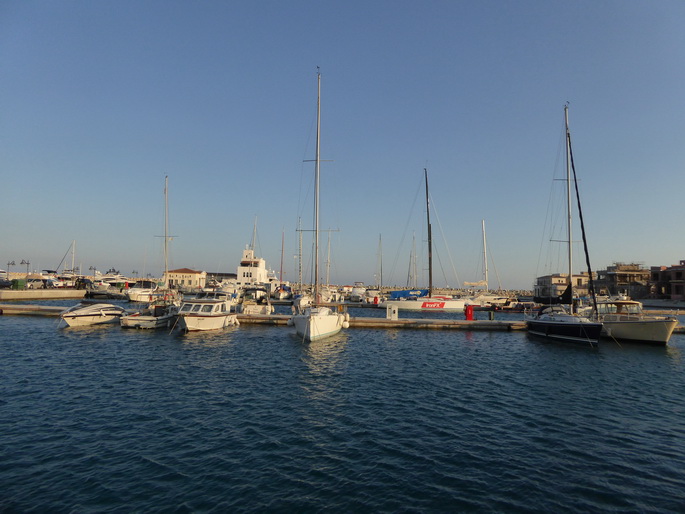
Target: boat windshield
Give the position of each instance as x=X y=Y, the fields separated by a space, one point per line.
x=619 y=308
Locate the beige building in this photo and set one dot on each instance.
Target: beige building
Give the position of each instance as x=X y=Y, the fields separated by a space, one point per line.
x=555 y=285
x=186 y=278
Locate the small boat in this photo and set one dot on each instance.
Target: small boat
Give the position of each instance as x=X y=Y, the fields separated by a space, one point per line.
x=255 y=300
x=624 y=320
x=208 y=310
x=141 y=291
x=160 y=313
x=562 y=322
x=87 y=313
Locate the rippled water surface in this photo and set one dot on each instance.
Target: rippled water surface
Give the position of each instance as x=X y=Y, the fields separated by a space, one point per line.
x=252 y=419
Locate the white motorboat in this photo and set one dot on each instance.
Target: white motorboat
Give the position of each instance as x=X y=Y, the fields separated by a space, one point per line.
x=141 y=291
x=208 y=310
x=86 y=313
x=625 y=320
x=358 y=293
x=312 y=321
x=255 y=300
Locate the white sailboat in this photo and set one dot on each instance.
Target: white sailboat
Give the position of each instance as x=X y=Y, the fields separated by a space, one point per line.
x=313 y=321
x=430 y=302
x=560 y=322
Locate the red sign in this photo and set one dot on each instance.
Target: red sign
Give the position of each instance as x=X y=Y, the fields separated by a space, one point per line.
x=433 y=305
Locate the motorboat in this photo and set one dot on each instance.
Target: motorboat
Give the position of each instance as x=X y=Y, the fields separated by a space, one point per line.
x=624 y=320
x=160 y=313
x=87 y=313
x=255 y=300
x=141 y=291
x=208 y=310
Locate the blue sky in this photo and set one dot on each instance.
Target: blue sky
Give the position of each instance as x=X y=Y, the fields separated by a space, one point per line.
x=101 y=100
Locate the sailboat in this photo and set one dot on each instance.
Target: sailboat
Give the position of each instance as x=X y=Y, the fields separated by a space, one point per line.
x=560 y=322
x=313 y=321
x=163 y=307
x=429 y=302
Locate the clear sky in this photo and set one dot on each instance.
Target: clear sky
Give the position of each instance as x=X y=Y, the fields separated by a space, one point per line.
x=99 y=101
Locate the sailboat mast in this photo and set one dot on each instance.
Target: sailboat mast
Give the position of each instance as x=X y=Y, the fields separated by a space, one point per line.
x=280 y=275
x=73 y=251
x=316 y=188
x=568 y=202
x=299 y=252
x=485 y=258
x=166 y=232
x=430 y=239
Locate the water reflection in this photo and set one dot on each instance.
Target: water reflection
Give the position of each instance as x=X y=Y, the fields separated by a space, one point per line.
x=324 y=364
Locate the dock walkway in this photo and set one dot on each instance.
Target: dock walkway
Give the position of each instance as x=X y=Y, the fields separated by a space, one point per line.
x=282 y=320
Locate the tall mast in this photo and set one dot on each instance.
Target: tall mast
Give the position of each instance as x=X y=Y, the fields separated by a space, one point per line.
x=316 y=188
x=166 y=232
x=485 y=258
x=568 y=202
x=379 y=277
x=430 y=239
x=73 y=251
x=280 y=277
x=299 y=252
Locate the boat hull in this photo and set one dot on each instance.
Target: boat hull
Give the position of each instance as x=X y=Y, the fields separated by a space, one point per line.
x=318 y=323
x=93 y=319
x=192 y=323
x=95 y=314
x=149 y=322
x=657 y=332
x=565 y=332
x=427 y=304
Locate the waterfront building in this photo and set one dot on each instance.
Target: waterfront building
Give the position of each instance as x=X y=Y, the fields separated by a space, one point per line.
x=668 y=282
x=631 y=279
x=554 y=285
x=186 y=278
x=251 y=270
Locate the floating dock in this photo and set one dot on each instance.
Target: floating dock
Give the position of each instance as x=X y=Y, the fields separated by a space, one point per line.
x=282 y=320
x=355 y=322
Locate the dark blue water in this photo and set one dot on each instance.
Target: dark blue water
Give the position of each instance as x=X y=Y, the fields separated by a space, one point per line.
x=252 y=419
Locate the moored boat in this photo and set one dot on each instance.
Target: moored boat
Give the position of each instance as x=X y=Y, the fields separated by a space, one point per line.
x=208 y=310
x=625 y=320
x=561 y=322
x=430 y=302
x=87 y=313
x=311 y=320
x=160 y=313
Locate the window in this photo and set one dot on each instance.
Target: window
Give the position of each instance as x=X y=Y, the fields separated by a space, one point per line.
x=207 y=308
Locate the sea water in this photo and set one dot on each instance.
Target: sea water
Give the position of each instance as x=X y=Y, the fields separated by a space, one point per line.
x=101 y=419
